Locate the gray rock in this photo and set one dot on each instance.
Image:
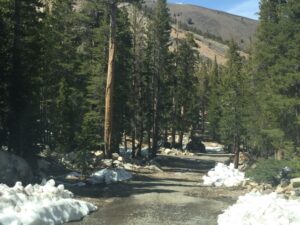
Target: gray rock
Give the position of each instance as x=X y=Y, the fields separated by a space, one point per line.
x=115 y=156
x=106 y=162
x=13 y=169
x=43 y=165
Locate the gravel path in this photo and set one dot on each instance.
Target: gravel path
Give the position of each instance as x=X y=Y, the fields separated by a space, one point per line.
x=174 y=196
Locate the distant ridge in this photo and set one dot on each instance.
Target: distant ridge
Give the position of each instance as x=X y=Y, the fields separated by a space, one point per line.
x=217 y=24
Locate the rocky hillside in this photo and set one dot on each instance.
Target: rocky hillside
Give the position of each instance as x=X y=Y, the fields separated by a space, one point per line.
x=211 y=28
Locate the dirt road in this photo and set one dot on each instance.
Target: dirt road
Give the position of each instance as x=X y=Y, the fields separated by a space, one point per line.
x=172 y=197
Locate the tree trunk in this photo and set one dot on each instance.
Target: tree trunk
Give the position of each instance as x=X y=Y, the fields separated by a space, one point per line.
x=125 y=142
x=155 y=134
x=141 y=137
x=174 y=119
x=133 y=143
x=149 y=139
x=236 y=149
x=15 y=100
x=182 y=112
x=166 y=135
x=108 y=124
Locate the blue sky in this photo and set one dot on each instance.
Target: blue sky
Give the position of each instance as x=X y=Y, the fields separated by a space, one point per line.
x=246 y=8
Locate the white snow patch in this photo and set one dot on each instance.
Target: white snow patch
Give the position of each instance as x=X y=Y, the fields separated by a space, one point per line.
x=40 y=204
x=223 y=175
x=73 y=175
x=109 y=176
x=214 y=149
x=258 y=209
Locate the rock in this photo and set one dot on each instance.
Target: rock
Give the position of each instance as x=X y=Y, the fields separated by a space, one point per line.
x=99 y=154
x=246 y=183
x=266 y=187
x=128 y=166
x=72 y=156
x=43 y=164
x=73 y=176
x=154 y=162
x=168 y=151
x=117 y=163
x=13 y=169
x=253 y=166
x=121 y=159
x=253 y=184
x=295 y=182
x=106 y=162
x=282 y=190
x=154 y=168
x=295 y=192
x=284 y=182
x=196 y=145
x=115 y=156
x=131 y=167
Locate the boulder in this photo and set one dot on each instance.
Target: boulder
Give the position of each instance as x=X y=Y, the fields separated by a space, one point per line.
x=295 y=192
x=281 y=190
x=121 y=159
x=115 y=156
x=71 y=156
x=99 y=154
x=106 y=162
x=196 y=145
x=13 y=169
x=43 y=165
x=295 y=182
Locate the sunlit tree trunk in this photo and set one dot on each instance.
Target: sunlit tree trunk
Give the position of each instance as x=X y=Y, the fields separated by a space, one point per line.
x=108 y=124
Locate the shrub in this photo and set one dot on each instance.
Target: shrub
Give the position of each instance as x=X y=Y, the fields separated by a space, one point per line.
x=268 y=170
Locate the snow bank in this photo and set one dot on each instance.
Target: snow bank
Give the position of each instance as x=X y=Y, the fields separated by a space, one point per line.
x=109 y=176
x=40 y=204
x=223 y=175
x=258 y=209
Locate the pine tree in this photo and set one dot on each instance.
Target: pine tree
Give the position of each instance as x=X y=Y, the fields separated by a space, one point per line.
x=158 y=43
x=109 y=92
x=23 y=24
x=275 y=60
x=186 y=75
x=214 y=107
x=234 y=102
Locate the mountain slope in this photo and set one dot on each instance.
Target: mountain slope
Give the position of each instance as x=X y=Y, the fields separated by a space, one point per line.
x=219 y=25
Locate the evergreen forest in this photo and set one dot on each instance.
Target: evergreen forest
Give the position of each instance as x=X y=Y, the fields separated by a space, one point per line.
x=78 y=76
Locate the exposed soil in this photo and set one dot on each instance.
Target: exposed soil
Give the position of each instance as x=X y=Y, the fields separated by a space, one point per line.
x=174 y=196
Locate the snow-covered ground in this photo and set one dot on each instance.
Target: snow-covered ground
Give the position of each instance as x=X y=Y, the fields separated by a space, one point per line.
x=223 y=175
x=109 y=176
x=43 y=204
x=258 y=209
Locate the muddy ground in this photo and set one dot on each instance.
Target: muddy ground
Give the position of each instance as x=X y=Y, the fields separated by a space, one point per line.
x=172 y=197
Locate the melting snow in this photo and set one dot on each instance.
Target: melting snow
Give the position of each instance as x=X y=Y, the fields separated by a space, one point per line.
x=109 y=176
x=258 y=209
x=223 y=175
x=40 y=204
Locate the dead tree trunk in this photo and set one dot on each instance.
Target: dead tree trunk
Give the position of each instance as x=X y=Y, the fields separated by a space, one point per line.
x=108 y=124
